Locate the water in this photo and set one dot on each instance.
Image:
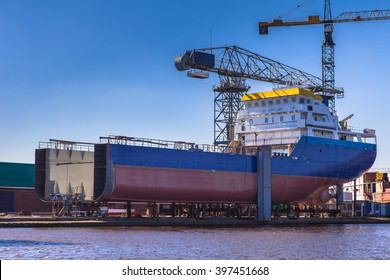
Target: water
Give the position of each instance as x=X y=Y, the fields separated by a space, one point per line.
x=325 y=242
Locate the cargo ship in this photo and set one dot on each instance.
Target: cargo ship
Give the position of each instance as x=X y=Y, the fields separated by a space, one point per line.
x=311 y=151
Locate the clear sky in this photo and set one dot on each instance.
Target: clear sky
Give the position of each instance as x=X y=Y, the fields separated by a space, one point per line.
x=80 y=69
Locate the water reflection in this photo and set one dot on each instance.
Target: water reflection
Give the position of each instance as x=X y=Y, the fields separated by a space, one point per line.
x=292 y=242
x=19 y=243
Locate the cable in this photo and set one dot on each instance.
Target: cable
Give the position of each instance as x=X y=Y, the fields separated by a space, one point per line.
x=295 y=8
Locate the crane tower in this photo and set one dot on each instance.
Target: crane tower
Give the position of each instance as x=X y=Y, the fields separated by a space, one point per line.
x=329 y=90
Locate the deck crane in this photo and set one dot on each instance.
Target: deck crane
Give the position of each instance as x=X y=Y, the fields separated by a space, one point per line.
x=328 y=80
x=343 y=122
x=234 y=65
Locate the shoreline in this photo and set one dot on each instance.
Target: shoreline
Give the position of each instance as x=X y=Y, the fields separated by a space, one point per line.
x=39 y=222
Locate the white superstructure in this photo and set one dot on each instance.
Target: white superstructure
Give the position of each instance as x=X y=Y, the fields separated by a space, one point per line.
x=280 y=117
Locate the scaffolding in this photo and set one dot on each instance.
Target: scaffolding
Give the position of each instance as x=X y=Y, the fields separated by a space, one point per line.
x=66 y=204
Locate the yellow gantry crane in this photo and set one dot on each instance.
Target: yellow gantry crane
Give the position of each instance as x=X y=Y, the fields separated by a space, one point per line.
x=329 y=91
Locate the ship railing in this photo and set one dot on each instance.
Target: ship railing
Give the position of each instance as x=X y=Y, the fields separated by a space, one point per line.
x=366 y=131
x=261 y=110
x=189 y=146
x=266 y=126
x=282 y=141
x=157 y=143
x=133 y=141
x=279 y=146
x=241 y=150
x=178 y=145
x=365 y=135
x=66 y=145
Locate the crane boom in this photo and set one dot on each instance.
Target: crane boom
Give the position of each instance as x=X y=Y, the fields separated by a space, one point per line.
x=315 y=19
x=362 y=16
x=233 y=61
x=234 y=65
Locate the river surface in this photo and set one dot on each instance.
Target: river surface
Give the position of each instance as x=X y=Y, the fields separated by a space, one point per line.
x=325 y=242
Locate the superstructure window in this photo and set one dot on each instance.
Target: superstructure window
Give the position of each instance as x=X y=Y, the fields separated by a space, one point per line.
x=301 y=100
x=285 y=100
x=281 y=118
x=266 y=120
x=270 y=102
x=256 y=104
x=293 y=117
x=294 y=99
x=278 y=102
x=248 y=105
x=263 y=103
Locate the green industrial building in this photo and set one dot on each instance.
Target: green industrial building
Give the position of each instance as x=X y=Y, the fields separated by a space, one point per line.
x=17 y=192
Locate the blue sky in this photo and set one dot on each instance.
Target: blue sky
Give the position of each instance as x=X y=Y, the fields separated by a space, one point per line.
x=80 y=69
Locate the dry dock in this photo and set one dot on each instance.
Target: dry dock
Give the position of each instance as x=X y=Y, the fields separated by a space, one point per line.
x=11 y=222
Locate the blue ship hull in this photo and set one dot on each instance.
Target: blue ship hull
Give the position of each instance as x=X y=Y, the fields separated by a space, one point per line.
x=137 y=173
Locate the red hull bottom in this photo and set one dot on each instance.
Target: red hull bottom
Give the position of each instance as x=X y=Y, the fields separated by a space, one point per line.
x=198 y=186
